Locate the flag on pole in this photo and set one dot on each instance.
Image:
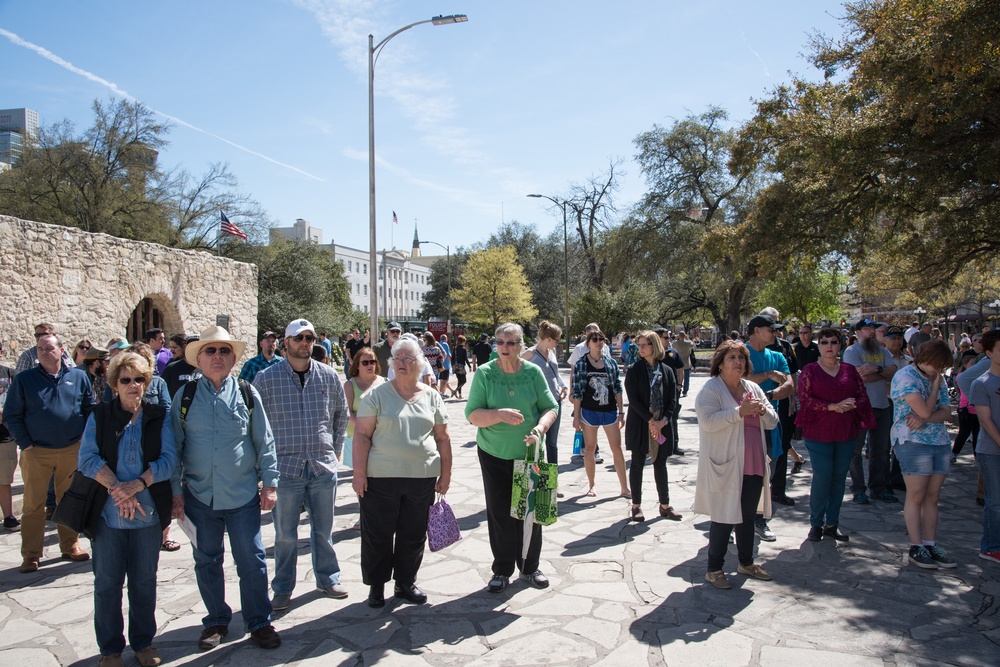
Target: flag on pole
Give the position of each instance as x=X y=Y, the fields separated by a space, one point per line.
x=229 y=228
x=395 y=220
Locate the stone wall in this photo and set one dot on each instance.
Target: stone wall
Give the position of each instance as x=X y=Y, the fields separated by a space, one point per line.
x=88 y=285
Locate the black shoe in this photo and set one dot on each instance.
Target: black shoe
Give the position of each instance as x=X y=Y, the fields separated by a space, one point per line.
x=497 y=584
x=886 y=497
x=11 y=523
x=536 y=579
x=815 y=534
x=678 y=452
x=212 y=636
x=835 y=533
x=783 y=500
x=796 y=468
x=266 y=637
x=411 y=593
x=376 y=597
x=598 y=460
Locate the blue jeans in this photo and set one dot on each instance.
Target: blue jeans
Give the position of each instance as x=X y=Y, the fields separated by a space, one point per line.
x=135 y=552
x=989 y=465
x=552 y=438
x=830 y=462
x=318 y=493
x=687 y=379
x=243 y=525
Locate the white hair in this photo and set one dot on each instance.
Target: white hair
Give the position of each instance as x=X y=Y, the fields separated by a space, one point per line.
x=770 y=312
x=407 y=345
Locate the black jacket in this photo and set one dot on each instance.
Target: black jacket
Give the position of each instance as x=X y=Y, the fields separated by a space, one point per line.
x=637 y=381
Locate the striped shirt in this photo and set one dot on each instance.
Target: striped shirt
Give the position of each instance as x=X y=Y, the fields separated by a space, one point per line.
x=308 y=421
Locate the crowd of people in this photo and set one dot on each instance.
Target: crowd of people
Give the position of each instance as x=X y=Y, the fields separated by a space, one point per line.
x=167 y=432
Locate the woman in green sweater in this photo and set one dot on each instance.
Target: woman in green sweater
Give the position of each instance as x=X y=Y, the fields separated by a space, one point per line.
x=511 y=405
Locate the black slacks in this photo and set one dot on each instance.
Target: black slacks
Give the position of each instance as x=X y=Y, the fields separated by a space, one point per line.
x=506 y=532
x=718 y=533
x=659 y=473
x=394 y=528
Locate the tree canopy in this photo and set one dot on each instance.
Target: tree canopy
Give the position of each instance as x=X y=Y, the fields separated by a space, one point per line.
x=494 y=289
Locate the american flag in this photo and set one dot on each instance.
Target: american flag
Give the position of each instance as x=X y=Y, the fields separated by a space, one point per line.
x=229 y=228
x=395 y=220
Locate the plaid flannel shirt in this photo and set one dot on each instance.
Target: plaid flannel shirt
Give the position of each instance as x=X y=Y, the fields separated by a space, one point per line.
x=580 y=375
x=308 y=421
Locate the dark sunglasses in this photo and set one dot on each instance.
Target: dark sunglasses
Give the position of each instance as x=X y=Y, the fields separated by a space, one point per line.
x=303 y=337
x=221 y=351
x=830 y=342
x=83 y=347
x=125 y=381
x=368 y=362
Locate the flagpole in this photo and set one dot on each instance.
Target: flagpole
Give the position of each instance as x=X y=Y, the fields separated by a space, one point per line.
x=218 y=237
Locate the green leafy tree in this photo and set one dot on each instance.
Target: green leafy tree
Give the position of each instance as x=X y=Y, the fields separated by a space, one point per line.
x=805 y=289
x=494 y=289
x=631 y=307
x=296 y=279
x=436 y=298
x=900 y=136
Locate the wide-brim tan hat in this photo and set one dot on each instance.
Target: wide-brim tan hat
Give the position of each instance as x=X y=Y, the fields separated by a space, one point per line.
x=215 y=334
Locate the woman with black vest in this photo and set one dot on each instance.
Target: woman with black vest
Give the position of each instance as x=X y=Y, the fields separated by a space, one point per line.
x=128 y=447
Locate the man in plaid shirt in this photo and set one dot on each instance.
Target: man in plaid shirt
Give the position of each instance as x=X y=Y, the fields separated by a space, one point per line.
x=305 y=403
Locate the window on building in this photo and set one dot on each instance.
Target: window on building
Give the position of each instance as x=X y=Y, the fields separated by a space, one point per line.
x=366 y=308
x=366 y=290
x=364 y=268
x=347 y=267
x=357 y=267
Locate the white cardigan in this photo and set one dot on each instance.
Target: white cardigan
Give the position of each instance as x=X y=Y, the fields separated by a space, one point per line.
x=720 y=461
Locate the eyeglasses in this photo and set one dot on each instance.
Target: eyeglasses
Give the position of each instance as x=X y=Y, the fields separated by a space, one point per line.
x=369 y=362
x=644 y=344
x=508 y=343
x=221 y=351
x=125 y=381
x=404 y=360
x=303 y=337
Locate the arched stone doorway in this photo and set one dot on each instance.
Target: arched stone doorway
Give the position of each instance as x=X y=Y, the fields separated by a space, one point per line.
x=155 y=311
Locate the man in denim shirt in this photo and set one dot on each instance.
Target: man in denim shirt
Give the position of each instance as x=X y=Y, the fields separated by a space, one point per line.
x=308 y=409
x=224 y=448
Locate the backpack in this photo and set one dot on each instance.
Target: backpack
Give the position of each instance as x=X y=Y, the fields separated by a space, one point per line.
x=192 y=386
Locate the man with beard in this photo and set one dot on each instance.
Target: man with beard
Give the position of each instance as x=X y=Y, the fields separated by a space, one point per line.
x=872 y=363
x=96 y=365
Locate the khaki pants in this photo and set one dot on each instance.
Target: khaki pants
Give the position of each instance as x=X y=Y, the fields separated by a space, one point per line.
x=38 y=465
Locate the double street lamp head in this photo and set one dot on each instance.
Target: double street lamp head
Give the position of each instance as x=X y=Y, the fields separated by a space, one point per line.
x=451 y=18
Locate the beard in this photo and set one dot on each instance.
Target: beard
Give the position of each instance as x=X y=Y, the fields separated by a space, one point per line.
x=870 y=345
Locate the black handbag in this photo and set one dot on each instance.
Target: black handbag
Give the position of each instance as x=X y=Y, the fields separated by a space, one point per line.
x=80 y=505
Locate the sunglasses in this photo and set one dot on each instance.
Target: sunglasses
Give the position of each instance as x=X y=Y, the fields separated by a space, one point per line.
x=125 y=381
x=83 y=347
x=221 y=351
x=369 y=362
x=508 y=343
x=830 y=342
x=303 y=337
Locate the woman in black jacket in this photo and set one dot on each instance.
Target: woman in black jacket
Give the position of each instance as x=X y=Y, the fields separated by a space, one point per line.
x=128 y=448
x=652 y=392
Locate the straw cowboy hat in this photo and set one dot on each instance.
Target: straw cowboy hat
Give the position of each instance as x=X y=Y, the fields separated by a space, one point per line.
x=212 y=335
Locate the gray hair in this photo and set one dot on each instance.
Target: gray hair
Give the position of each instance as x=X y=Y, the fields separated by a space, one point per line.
x=770 y=312
x=409 y=345
x=512 y=330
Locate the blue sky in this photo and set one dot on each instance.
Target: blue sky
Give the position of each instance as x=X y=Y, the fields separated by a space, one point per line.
x=469 y=118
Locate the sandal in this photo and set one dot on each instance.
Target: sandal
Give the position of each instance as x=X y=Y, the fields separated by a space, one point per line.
x=627 y=495
x=170 y=545
x=591 y=493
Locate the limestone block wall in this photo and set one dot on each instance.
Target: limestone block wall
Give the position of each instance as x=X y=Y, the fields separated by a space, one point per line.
x=88 y=285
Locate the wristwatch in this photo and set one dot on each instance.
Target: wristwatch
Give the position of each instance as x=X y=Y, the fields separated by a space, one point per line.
x=770 y=394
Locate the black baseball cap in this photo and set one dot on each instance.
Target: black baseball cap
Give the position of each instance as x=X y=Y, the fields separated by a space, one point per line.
x=762 y=321
x=893 y=331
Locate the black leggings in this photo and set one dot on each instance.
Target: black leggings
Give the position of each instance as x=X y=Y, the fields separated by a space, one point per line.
x=968 y=424
x=659 y=473
x=718 y=534
x=460 y=377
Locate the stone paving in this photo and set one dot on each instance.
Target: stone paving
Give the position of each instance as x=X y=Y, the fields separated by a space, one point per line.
x=622 y=593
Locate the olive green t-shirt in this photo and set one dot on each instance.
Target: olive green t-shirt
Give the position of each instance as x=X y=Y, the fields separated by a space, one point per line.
x=491 y=389
x=403 y=442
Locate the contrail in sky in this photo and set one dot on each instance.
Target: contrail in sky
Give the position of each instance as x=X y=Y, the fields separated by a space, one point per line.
x=65 y=64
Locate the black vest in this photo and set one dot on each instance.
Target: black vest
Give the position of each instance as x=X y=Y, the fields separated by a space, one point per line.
x=107 y=445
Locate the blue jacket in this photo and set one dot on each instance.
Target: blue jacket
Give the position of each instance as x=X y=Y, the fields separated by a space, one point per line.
x=46 y=411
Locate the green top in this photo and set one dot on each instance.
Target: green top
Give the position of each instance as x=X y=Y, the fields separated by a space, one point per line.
x=403 y=442
x=491 y=389
x=358 y=395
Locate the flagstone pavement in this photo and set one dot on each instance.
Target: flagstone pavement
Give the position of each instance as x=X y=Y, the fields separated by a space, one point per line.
x=622 y=593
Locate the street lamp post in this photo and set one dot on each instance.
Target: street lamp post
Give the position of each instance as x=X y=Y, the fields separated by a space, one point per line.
x=447 y=249
x=919 y=311
x=373 y=51
x=562 y=204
